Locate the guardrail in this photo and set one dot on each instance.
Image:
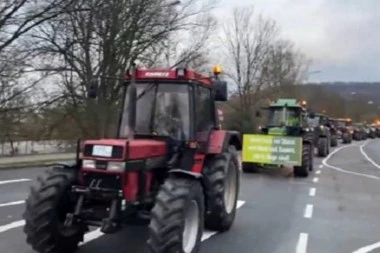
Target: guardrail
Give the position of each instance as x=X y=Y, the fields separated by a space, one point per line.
x=34 y=160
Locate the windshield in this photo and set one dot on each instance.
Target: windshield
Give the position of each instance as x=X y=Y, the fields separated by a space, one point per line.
x=283 y=117
x=161 y=109
x=314 y=122
x=341 y=124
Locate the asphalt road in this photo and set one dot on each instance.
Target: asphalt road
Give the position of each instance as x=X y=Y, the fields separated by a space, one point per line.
x=335 y=210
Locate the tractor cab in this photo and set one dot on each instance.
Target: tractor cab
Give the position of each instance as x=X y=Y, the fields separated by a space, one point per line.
x=319 y=120
x=343 y=124
x=285 y=117
x=175 y=104
x=344 y=128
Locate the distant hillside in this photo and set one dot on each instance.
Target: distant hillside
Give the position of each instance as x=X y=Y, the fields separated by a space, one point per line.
x=347 y=90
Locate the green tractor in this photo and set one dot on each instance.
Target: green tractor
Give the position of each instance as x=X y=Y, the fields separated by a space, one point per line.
x=286 y=139
x=322 y=135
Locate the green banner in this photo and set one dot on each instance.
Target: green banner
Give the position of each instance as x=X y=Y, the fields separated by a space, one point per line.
x=267 y=149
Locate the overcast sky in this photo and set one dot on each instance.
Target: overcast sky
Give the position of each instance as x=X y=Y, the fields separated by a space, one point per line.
x=341 y=36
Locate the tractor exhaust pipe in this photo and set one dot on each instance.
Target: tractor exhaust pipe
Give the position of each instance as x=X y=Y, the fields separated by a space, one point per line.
x=132 y=103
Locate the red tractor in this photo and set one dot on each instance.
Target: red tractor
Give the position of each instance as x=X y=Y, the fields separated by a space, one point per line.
x=170 y=166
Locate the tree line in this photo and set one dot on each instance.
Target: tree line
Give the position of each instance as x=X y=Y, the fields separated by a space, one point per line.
x=52 y=50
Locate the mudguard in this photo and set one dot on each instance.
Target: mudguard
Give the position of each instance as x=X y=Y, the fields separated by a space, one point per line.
x=66 y=165
x=221 y=139
x=179 y=172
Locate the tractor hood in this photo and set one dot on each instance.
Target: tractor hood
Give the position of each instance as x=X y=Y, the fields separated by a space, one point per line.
x=277 y=131
x=121 y=150
x=286 y=130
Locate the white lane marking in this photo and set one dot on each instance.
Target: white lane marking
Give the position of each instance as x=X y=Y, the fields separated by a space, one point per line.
x=12 y=225
x=207 y=234
x=312 y=191
x=302 y=243
x=318 y=172
x=240 y=163
x=368 y=248
x=320 y=166
x=90 y=236
x=361 y=147
x=15 y=181
x=20 y=202
x=97 y=233
x=315 y=180
x=324 y=161
x=308 y=211
x=376 y=245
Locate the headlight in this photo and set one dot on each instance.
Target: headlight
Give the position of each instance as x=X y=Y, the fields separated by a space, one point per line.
x=322 y=127
x=88 y=164
x=116 y=166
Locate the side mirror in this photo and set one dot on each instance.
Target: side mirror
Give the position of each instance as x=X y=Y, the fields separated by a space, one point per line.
x=220 y=91
x=312 y=115
x=258 y=114
x=93 y=89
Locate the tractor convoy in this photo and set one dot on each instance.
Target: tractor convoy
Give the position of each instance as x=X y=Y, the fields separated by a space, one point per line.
x=293 y=134
x=172 y=166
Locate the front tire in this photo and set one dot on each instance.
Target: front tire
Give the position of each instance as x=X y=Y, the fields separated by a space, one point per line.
x=176 y=224
x=334 y=141
x=46 y=208
x=222 y=181
x=303 y=170
x=346 y=138
x=322 y=147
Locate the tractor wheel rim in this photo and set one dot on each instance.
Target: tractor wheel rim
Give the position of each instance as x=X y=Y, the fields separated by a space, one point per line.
x=230 y=189
x=191 y=227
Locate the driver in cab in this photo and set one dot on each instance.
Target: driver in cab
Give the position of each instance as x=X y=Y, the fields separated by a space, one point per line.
x=292 y=121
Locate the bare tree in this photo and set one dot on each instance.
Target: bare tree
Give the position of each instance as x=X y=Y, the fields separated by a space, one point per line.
x=284 y=67
x=17 y=19
x=102 y=42
x=259 y=62
x=186 y=47
x=248 y=39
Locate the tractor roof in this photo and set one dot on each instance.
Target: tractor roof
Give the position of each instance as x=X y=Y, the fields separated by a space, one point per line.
x=288 y=102
x=343 y=119
x=321 y=115
x=181 y=74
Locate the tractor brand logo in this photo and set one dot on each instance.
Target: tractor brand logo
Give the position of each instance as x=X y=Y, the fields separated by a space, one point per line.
x=157 y=74
x=198 y=161
x=95 y=183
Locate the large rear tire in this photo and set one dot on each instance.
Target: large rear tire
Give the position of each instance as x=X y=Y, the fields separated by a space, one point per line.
x=177 y=218
x=222 y=181
x=311 y=157
x=334 y=141
x=46 y=208
x=322 y=147
x=303 y=170
x=345 y=138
